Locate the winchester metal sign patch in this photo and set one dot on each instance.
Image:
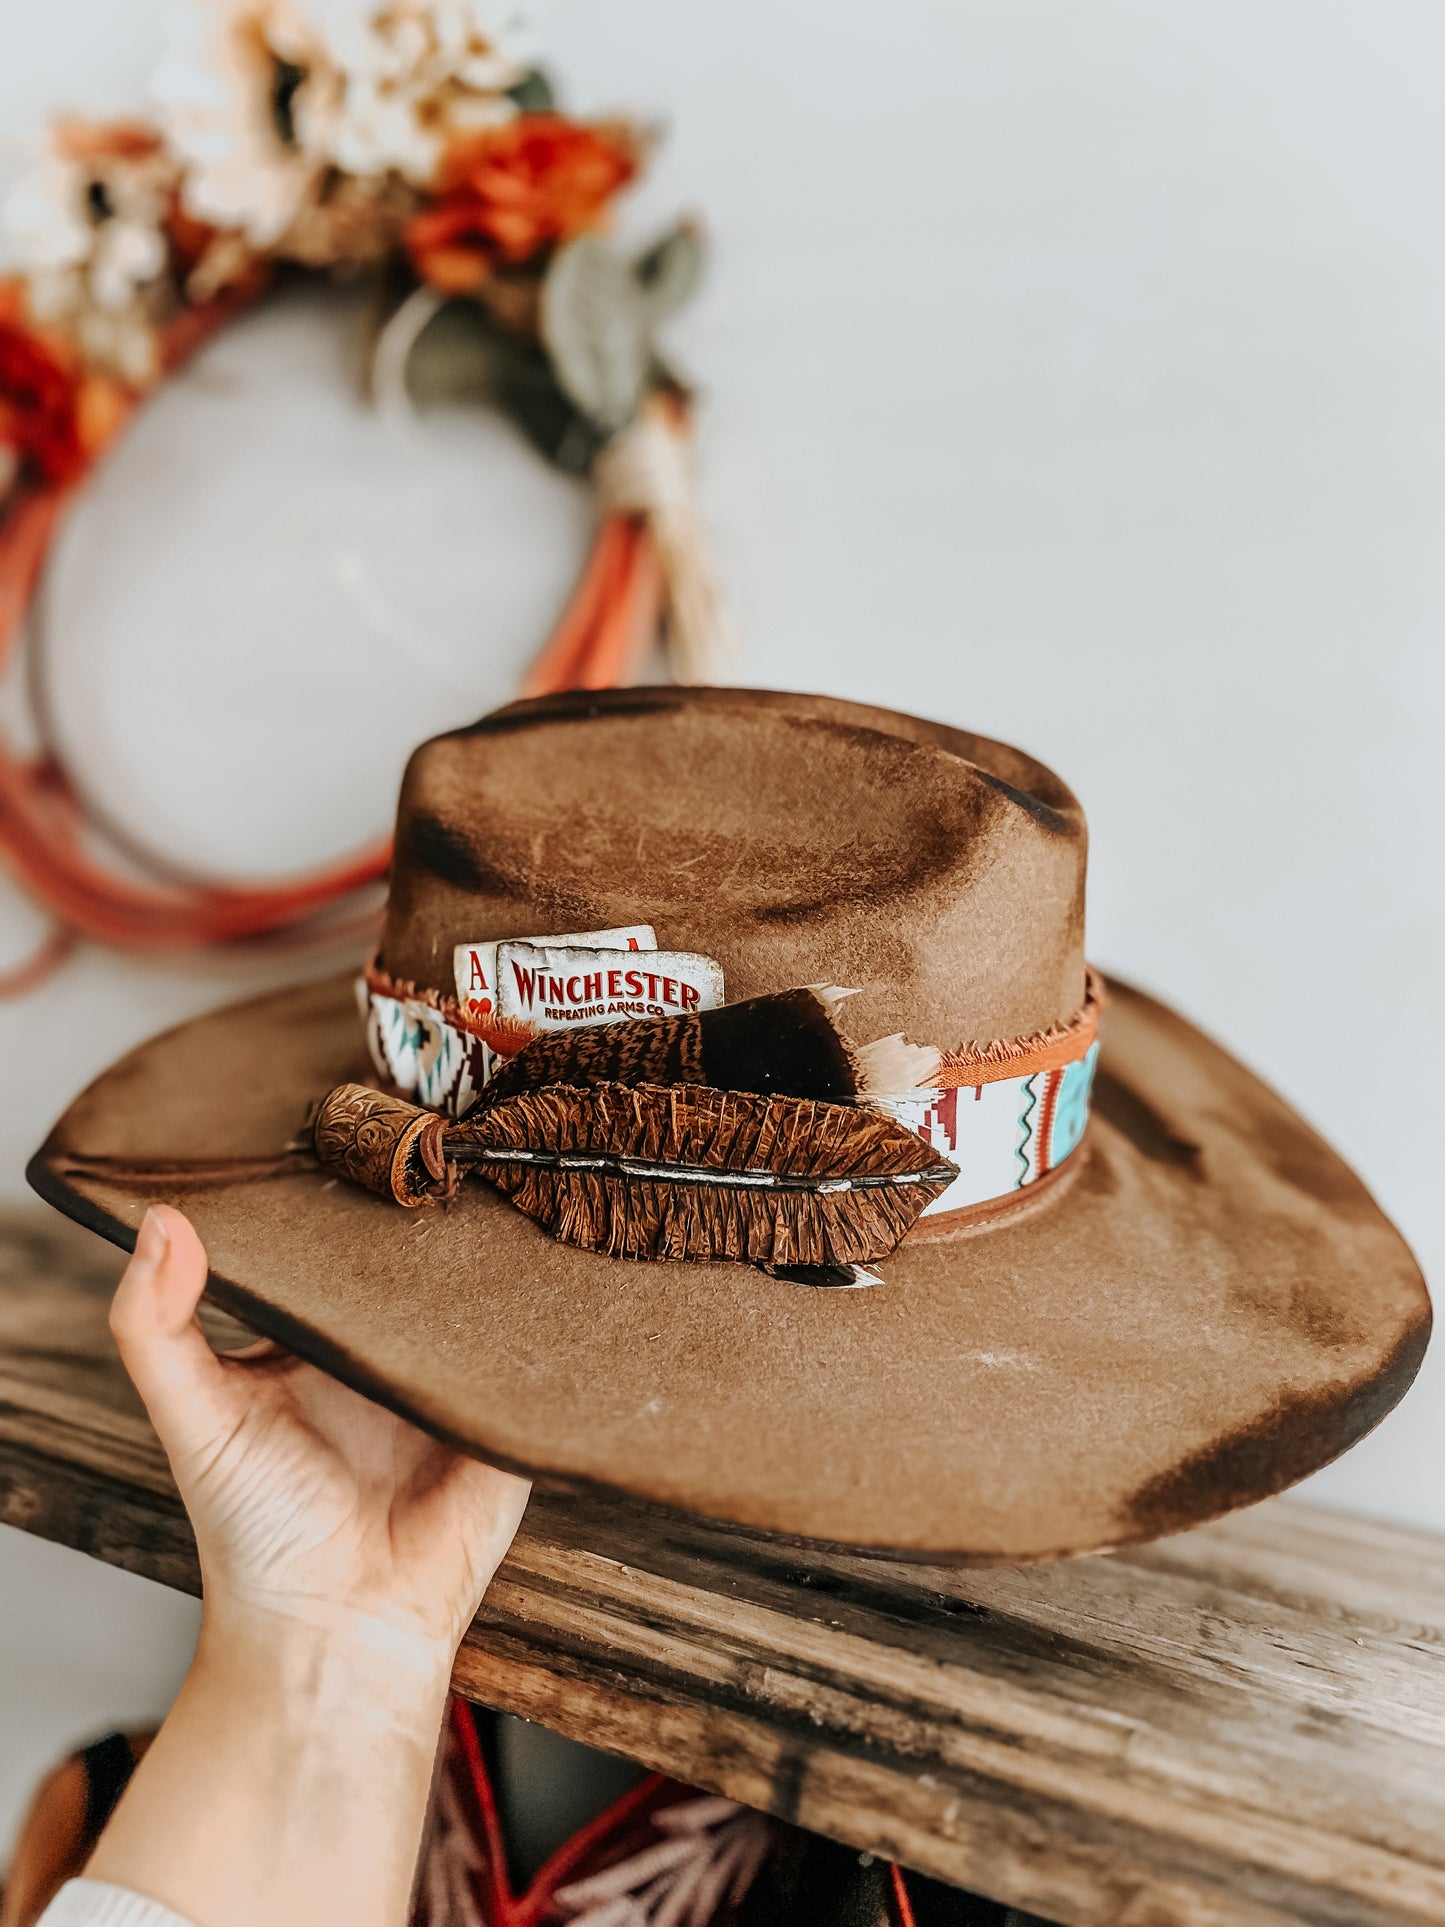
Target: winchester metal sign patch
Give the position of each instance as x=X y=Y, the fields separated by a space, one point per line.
x=551 y=989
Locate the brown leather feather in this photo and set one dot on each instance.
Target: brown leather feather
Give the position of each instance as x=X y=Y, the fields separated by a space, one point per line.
x=648 y=1050
x=686 y=1172
x=652 y=1171
x=784 y=1045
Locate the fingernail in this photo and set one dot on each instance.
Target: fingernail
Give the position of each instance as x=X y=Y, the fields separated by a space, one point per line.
x=152 y=1242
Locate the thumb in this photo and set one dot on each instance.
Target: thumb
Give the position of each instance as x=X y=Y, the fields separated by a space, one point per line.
x=153 y=1321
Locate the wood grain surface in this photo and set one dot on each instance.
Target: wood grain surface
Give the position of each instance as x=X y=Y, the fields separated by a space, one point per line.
x=1240 y=1726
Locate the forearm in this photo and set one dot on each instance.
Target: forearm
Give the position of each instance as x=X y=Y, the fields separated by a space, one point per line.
x=290 y=1782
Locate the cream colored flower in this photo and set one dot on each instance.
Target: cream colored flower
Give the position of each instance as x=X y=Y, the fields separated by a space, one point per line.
x=413 y=72
x=262 y=98
x=85 y=229
x=44 y=219
x=226 y=91
x=93 y=214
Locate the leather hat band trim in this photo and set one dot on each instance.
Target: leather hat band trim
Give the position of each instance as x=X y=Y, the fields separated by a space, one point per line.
x=1007 y=1113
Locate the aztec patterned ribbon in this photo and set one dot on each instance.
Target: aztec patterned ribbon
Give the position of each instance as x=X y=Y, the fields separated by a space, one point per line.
x=1006 y=1134
x=1007 y=1114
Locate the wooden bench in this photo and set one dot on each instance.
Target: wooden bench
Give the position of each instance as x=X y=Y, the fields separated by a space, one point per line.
x=1240 y=1726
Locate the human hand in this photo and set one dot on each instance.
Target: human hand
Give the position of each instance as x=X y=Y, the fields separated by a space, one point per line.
x=343 y=1554
x=308 y=1502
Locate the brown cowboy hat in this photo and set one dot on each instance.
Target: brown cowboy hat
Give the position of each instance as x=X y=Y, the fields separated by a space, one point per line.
x=1081 y=1343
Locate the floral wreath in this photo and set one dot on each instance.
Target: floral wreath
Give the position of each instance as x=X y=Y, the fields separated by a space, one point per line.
x=412 y=139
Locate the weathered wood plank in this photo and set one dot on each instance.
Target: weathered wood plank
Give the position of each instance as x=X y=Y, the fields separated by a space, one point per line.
x=1238 y=1728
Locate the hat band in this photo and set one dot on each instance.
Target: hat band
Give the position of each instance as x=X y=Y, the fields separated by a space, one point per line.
x=1009 y=1113
x=1006 y=1113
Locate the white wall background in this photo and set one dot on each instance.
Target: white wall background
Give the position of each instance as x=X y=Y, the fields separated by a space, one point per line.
x=1076 y=374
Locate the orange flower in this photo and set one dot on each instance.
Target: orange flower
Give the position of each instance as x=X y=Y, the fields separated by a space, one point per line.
x=507 y=193
x=39 y=417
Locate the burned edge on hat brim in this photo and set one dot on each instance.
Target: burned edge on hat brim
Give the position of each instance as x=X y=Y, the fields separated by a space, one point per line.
x=1258 y=1461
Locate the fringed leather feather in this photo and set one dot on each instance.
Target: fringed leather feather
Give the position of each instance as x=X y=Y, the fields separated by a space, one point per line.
x=693 y=1173
x=658 y=1172
x=785 y=1045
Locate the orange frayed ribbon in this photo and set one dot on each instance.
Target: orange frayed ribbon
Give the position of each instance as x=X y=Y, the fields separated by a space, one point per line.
x=1046 y=1050
x=504 y=1035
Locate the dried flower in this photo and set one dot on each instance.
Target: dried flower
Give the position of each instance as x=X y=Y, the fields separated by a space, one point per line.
x=350 y=222
x=227 y=91
x=87 y=228
x=508 y=193
x=414 y=72
x=267 y=100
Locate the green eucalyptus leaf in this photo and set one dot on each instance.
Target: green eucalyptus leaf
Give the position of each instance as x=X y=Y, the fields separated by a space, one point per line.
x=670 y=270
x=527 y=390
x=466 y=355
x=454 y=358
x=533 y=93
x=595 y=324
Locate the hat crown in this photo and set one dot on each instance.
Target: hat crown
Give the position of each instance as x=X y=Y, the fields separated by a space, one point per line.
x=796 y=839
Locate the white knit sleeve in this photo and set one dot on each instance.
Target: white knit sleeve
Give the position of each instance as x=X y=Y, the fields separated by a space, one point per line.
x=95 y=1903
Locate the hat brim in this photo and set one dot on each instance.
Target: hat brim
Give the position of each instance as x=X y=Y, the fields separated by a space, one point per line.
x=1207 y=1308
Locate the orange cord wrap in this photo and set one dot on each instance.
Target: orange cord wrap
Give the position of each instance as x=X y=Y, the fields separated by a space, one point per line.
x=601 y=640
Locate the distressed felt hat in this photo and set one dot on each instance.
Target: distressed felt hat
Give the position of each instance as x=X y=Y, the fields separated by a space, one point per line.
x=1142 y=1292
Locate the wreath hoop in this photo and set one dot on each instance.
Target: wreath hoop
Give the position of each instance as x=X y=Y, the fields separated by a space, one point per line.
x=412 y=140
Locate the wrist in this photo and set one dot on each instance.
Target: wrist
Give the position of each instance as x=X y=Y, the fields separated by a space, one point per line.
x=324 y=1662
x=289 y=1783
